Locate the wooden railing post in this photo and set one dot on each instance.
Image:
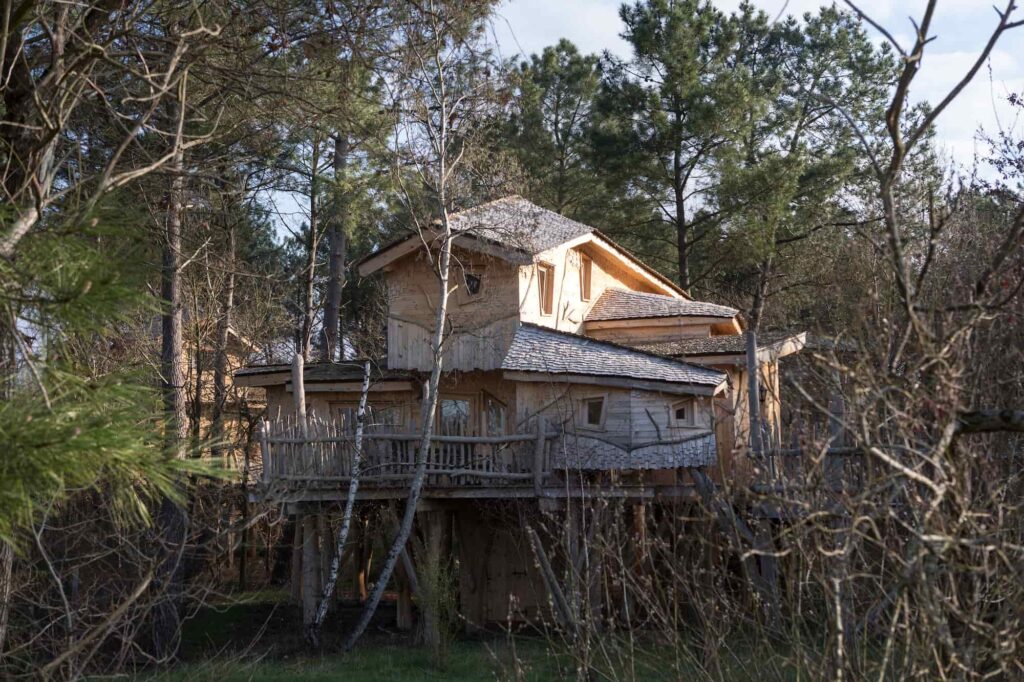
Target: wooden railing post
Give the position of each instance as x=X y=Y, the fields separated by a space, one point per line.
x=299 y=396
x=265 y=448
x=538 y=456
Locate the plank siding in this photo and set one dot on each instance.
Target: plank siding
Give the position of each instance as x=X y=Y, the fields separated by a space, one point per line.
x=569 y=307
x=482 y=325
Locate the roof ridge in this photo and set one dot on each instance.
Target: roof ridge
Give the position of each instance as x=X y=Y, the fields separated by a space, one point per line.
x=619 y=346
x=663 y=296
x=507 y=197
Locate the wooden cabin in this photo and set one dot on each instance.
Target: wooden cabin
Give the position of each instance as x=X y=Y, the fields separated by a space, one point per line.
x=570 y=366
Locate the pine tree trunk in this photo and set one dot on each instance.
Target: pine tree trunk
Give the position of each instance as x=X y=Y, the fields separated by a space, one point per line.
x=220 y=368
x=682 y=227
x=332 y=346
x=172 y=520
x=6 y=589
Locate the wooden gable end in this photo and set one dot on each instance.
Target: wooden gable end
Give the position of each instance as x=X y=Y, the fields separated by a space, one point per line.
x=567 y=269
x=482 y=311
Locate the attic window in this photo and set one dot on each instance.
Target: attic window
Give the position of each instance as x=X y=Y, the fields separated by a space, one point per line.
x=592 y=411
x=546 y=287
x=682 y=413
x=586 y=271
x=474 y=283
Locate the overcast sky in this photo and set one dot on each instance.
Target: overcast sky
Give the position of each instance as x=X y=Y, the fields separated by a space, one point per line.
x=961 y=28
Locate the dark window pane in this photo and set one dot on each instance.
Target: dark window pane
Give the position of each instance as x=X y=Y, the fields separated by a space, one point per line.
x=473 y=284
x=494 y=416
x=595 y=407
x=454 y=417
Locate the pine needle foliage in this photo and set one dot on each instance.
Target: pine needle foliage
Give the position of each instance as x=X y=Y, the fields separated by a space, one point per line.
x=68 y=421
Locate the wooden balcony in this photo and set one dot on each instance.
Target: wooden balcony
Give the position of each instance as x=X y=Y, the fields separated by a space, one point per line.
x=317 y=467
x=322 y=460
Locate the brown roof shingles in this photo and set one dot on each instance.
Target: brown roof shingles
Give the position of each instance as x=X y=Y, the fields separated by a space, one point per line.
x=518 y=223
x=620 y=304
x=539 y=349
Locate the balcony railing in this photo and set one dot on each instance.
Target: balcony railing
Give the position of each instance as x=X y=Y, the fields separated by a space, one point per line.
x=323 y=452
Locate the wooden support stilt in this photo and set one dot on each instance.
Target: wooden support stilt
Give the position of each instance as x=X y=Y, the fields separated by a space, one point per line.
x=296 y=576
x=436 y=554
x=737 y=530
x=538 y=457
x=364 y=558
x=326 y=548
x=310 y=569
x=403 y=617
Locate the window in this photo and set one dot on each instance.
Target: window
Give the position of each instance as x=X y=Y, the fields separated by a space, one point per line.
x=494 y=416
x=586 y=272
x=345 y=416
x=454 y=417
x=387 y=418
x=546 y=287
x=592 y=410
x=474 y=283
x=682 y=413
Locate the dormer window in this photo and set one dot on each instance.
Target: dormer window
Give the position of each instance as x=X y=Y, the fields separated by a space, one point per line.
x=586 y=272
x=546 y=287
x=474 y=283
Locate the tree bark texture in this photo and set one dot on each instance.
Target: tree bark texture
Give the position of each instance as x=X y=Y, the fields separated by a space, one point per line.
x=332 y=348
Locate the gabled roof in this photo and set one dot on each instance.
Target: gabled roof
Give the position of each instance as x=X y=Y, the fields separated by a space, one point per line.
x=516 y=230
x=518 y=224
x=543 y=350
x=622 y=304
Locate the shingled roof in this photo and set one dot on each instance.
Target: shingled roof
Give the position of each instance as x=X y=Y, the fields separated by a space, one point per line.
x=621 y=304
x=519 y=224
x=325 y=371
x=539 y=349
x=733 y=344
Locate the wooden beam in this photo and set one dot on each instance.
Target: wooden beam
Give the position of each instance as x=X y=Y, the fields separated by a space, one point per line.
x=352 y=386
x=665 y=321
x=538 y=456
x=618 y=382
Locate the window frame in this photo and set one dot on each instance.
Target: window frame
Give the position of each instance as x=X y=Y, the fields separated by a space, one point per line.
x=546 y=294
x=584 y=413
x=471 y=415
x=586 y=276
x=691 y=412
x=398 y=408
x=487 y=399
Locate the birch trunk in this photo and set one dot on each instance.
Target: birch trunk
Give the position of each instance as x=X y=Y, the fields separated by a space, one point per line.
x=313 y=629
x=427 y=420
x=308 y=311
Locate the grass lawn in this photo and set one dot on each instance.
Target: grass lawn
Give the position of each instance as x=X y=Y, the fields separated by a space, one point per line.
x=468 y=660
x=258 y=637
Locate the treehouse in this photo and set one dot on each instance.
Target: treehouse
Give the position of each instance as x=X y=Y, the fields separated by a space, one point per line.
x=570 y=368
